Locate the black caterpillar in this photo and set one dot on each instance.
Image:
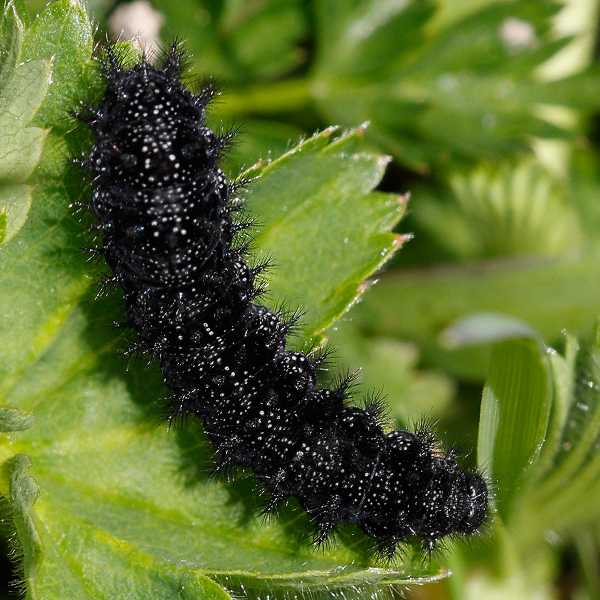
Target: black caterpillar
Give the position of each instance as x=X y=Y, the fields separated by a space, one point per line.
x=165 y=212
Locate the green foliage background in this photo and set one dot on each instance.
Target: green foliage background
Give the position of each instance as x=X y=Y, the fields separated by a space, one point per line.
x=488 y=111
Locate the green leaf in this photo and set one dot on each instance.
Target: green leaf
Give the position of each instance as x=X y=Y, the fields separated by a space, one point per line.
x=469 y=90
x=515 y=410
x=49 y=575
x=124 y=505
x=389 y=367
x=342 y=583
x=419 y=304
x=23 y=89
x=264 y=37
x=21 y=100
x=120 y=496
x=484 y=328
x=511 y=208
x=584 y=188
x=487 y=42
x=564 y=374
x=23 y=493
x=565 y=493
x=300 y=198
x=239 y=39
x=38 y=85
x=15 y=202
x=357 y=39
x=2 y=225
x=63 y=34
x=12 y=419
x=36 y=301
x=258 y=140
x=11 y=40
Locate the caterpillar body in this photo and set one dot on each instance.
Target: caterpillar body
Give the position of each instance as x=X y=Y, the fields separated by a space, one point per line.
x=165 y=210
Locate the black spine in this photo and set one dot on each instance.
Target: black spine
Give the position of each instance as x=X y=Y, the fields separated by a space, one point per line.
x=165 y=210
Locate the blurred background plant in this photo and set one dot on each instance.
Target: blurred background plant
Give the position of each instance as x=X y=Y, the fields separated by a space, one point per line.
x=490 y=112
